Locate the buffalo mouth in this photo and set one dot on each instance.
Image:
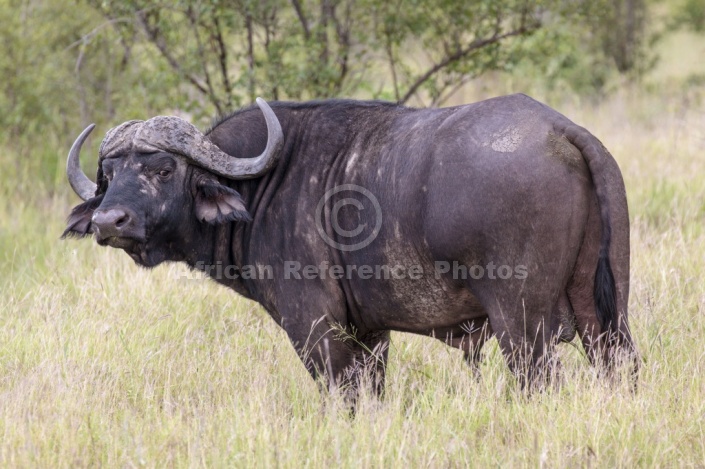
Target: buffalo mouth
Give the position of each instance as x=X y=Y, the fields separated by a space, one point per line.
x=135 y=248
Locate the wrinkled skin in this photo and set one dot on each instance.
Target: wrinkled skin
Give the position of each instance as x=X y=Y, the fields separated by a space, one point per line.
x=507 y=180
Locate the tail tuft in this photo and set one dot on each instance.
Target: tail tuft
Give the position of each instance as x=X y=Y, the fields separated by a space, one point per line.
x=605 y=294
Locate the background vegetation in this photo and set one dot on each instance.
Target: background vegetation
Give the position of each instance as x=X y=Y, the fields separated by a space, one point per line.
x=102 y=363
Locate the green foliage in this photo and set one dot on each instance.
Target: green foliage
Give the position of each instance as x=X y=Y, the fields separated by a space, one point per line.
x=63 y=66
x=230 y=51
x=618 y=28
x=68 y=62
x=33 y=63
x=588 y=46
x=690 y=14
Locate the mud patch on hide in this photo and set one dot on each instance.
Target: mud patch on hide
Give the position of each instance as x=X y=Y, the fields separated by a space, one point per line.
x=147 y=187
x=559 y=147
x=507 y=140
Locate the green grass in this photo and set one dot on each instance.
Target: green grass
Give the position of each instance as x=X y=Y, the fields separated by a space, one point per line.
x=105 y=364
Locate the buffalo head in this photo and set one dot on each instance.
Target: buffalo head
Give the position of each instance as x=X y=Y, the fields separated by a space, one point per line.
x=158 y=181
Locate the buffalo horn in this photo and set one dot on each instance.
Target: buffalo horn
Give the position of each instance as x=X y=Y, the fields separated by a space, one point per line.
x=174 y=135
x=84 y=187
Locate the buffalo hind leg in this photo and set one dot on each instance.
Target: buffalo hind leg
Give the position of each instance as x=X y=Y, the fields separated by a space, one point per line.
x=469 y=337
x=522 y=324
x=472 y=348
x=604 y=348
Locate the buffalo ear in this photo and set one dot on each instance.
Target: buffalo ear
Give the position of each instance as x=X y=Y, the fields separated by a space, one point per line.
x=216 y=203
x=78 y=224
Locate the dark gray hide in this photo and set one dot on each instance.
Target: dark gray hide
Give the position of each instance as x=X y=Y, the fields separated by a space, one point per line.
x=507 y=181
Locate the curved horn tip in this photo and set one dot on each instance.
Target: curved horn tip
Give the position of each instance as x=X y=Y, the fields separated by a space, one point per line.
x=213 y=159
x=86 y=132
x=261 y=102
x=80 y=183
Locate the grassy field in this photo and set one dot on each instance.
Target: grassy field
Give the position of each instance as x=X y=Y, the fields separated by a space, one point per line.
x=105 y=364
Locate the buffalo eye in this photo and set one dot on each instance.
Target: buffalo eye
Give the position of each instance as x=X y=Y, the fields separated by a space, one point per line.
x=108 y=173
x=160 y=167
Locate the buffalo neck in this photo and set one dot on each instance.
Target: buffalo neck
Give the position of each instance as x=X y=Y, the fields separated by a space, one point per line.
x=316 y=136
x=221 y=250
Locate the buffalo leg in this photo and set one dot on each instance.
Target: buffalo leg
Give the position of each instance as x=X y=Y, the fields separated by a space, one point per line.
x=469 y=338
x=603 y=347
x=339 y=360
x=521 y=321
x=476 y=339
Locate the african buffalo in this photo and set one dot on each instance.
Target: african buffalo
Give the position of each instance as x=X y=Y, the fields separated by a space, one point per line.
x=498 y=218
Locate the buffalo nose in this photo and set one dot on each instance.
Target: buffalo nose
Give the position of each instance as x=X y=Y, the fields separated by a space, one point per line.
x=110 y=223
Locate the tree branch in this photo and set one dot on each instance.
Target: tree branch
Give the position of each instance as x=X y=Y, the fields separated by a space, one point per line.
x=460 y=54
x=250 y=57
x=203 y=59
x=302 y=18
x=156 y=39
x=389 y=49
x=88 y=36
x=223 y=60
x=441 y=98
x=343 y=33
x=323 y=31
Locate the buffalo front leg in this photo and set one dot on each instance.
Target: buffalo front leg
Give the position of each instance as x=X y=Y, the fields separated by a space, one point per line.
x=339 y=360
